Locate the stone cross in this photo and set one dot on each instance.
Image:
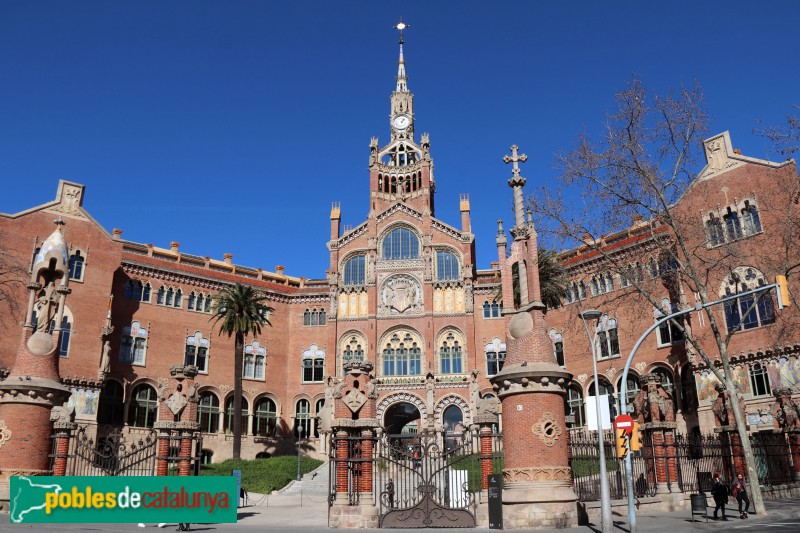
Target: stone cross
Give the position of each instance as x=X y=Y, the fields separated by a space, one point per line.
x=515 y=159
x=517 y=182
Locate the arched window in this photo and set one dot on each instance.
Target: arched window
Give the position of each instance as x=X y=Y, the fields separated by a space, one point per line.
x=161 y=295
x=574 y=407
x=714 y=232
x=607 y=338
x=402 y=355
x=112 y=404
x=196 y=352
x=66 y=332
x=487 y=311
x=495 y=356
x=317 y=413
x=255 y=359
x=446 y=266
x=666 y=380
x=190 y=301
x=207 y=305
x=452 y=419
x=178 y=298
x=668 y=332
x=307 y=317
x=170 y=300
x=608 y=390
x=302 y=418
x=208 y=412
x=652 y=268
x=229 y=413
x=265 y=421
x=609 y=282
x=759 y=379
x=750 y=219
x=76 y=262
x=688 y=390
x=632 y=388
x=450 y=353
x=313 y=364
x=353 y=349
x=143 y=408
x=495 y=310
x=136 y=290
x=133 y=345
x=399 y=244
x=733 y=227
x=354 y=270
x=749 y=311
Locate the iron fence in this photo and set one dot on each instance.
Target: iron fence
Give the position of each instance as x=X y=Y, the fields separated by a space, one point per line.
x=683 y=463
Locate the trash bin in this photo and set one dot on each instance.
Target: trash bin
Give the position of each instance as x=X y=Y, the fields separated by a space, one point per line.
x=699 y=505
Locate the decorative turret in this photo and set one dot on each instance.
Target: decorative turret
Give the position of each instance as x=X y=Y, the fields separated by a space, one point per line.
x=531 y=385
x=402 y=170
x=32 y=396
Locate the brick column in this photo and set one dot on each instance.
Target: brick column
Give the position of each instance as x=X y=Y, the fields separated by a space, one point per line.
x=61 y=448
x=367 y=457
x=185 y=454
x=672 y=460
x=341 y=467
x=162 y=450
x=486 y=456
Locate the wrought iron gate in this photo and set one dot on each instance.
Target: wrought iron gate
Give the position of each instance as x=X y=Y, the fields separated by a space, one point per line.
x=118 y=454
x=428 y=479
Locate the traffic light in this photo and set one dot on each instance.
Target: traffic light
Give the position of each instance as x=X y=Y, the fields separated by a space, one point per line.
x=622 y=443
x=783 y=292
x=636 y=438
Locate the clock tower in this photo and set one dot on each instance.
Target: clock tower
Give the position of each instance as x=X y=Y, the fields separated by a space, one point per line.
x=402 y=170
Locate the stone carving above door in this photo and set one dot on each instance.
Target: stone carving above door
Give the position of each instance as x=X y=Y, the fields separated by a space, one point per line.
x=401 y=295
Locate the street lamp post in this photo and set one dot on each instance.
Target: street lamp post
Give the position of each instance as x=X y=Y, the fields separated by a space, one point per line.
x=299 y=438
x=605 y=495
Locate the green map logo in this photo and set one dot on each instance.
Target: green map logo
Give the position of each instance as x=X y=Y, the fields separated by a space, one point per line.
x=87 y=499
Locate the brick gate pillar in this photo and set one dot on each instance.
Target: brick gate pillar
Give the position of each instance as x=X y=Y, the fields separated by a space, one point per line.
x=32 y=396
x=654 y=409
x=355 y=426
x=367 y=457
x=786 y=417
x=531 y=387
x=177 y=415
x=733 y=455
x=63 y=433
x=486 y=455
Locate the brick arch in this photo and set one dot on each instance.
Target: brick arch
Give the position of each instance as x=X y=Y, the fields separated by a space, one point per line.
x=400 y=397
x=458 y=401
x=261 y=395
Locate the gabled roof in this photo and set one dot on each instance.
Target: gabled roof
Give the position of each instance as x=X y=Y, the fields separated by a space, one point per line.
x=68 y=204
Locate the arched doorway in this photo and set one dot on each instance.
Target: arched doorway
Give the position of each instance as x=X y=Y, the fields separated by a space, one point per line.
x=401 y=418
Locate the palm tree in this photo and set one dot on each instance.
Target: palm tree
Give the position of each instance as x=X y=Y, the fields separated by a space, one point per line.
x=552 y=280
x=240 y=311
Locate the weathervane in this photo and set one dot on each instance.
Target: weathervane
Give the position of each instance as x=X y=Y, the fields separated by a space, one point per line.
x=400 y=26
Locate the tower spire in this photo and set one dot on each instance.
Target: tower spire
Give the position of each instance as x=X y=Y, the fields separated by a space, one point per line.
x=402 y=80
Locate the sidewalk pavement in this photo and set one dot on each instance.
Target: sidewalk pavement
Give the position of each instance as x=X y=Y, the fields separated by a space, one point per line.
x=308 y=514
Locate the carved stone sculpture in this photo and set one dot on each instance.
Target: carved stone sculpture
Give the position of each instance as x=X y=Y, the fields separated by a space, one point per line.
x=785 y=412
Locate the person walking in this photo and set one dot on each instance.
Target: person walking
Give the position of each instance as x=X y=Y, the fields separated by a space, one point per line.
x=719 y=491
x=739 y=491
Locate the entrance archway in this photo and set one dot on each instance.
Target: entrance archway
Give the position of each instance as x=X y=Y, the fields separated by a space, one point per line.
x=401 y=418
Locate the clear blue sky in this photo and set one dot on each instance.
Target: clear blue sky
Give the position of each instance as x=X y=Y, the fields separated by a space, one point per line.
x=230 y=126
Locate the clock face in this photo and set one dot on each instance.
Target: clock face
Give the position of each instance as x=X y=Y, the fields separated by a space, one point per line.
x=401 y=122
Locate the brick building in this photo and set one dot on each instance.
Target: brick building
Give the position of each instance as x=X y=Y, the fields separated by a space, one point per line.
x=402 y=290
